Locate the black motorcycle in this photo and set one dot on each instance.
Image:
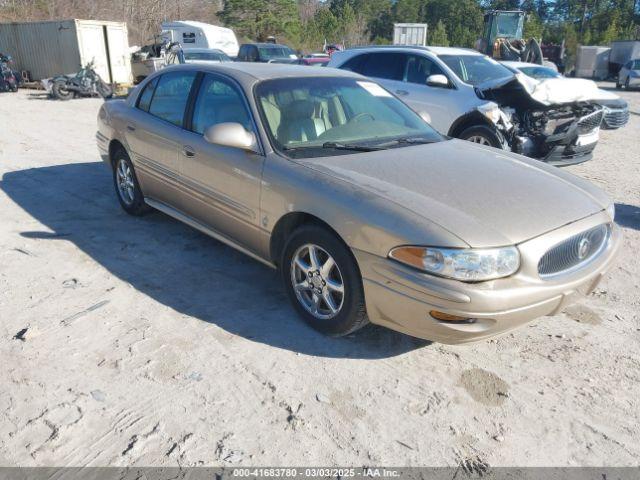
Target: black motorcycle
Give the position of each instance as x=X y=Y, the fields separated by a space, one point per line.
x=86 y=83
x=8 y=79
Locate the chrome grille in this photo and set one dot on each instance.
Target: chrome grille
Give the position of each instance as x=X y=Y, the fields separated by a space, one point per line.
x=590 y=122
x=574 y=252
x=616 y=118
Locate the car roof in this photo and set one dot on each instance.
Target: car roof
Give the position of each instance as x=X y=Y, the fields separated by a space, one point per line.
x=265 y=71
x=266 y=44
x=202 y=50
x=431 y=49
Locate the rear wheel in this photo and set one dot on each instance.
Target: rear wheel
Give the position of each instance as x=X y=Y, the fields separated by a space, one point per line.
x=323 y=281
x=626 y=84
x=60 y=91
x=482 y=135
x=126 y=183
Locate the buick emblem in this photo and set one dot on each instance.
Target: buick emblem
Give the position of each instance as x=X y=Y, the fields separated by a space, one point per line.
x=583 y=248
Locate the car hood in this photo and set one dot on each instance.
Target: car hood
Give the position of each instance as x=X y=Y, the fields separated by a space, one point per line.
x=482 y=195
x=522 y=89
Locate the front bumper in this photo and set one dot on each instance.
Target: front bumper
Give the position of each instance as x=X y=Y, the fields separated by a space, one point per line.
x=401 y=298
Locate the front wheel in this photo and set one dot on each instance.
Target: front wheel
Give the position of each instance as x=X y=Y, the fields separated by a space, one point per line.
x=104 y=90
x=483 y=135
x=323 y=281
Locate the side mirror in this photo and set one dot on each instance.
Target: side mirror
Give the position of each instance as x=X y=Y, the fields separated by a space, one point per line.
x=231 y=135
x=437 y=80
x=425 y=116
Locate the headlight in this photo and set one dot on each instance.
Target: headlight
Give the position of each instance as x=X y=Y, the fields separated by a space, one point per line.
x=471 y=265
x=491 y=111
x=611 y=211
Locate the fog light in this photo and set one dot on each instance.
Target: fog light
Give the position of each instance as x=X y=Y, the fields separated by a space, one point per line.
x=445 y=317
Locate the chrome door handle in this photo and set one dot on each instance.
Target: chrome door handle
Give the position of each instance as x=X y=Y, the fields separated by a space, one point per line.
x=402 y=93
x=187 y=151
x=131 y=128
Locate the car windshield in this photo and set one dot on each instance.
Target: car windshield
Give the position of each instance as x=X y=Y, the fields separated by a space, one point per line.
x=475 y=69
x=539 y=73
x=206 y=56
x=319 y=116
x=275 y=52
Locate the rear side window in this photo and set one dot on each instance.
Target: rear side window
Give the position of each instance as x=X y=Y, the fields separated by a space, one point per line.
x=353 y=64
x=171 y=95
x=386 y=65
x=147 y=94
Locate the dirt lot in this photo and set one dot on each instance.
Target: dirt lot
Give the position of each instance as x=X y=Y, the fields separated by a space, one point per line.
x=148 y=343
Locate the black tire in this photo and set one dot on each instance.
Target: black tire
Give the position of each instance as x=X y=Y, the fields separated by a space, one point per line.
x=618 y=86
x=135 y=205
x=488 y=134
x=14 y=88
x=626 y=84
x=352 y=314
x=59 y=90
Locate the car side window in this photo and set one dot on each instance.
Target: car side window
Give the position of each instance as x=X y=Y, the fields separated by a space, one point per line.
x=354 y=63
x=171 y=95
x=420 y=68
x=253 y=53
x=219 y=101
x=144 y=100
x=387 y=65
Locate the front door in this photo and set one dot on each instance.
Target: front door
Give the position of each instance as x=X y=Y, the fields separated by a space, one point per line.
x=223 y=183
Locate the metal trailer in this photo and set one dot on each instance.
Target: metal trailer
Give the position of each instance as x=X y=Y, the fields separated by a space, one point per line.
x=45 y=49
x=621 y=52
x=592 y=62
x=410 y=34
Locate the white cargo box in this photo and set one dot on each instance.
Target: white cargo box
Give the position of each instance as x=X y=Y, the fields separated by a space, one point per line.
x=592 y=62
x=192 y=34
x=410 y=34
x=58 y=47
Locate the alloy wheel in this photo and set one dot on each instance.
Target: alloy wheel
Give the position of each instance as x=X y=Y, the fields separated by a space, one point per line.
x=124 y=180
x=479 y=139
x=317 y=281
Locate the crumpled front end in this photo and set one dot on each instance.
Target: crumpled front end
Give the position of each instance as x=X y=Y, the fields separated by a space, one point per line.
x=560 y=134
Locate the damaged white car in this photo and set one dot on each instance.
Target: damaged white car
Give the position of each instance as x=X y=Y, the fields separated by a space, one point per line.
x=471 y=96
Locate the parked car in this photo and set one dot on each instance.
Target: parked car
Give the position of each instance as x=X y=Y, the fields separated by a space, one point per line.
x=315 y=59
x=616 y=110
x=368 y=212
x=629 y=74
x=205 y=55
x=265 y=53
x=472 y=97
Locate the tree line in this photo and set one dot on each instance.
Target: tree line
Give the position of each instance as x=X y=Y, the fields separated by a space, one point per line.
x=308 y=24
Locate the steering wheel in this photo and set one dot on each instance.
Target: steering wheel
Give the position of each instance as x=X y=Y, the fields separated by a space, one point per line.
x=360 y=116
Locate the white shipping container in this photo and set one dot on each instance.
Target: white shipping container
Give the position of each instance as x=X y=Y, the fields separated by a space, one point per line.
x=410 y=34
x=624 y=50
x=192 y=34
x=592 y=62
x=58 y=47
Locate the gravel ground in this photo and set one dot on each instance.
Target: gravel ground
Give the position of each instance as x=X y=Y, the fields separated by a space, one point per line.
x=141 y=341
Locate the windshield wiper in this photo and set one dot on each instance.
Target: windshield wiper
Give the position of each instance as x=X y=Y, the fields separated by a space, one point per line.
x=351 y=146
x=406 y=141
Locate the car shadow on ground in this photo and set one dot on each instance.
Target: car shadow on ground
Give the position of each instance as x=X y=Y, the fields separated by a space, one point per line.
x=178 y=266
x=628 y=216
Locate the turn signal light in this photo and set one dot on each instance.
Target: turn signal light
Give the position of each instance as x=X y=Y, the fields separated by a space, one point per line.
x=445 y=317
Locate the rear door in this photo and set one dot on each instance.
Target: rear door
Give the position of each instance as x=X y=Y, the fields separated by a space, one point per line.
x=385 y=67
x=222 y=183
x=154 y=132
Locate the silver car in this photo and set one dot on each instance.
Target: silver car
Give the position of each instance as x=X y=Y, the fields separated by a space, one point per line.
x=629 y=75
x=369 y=214
x=472 y=97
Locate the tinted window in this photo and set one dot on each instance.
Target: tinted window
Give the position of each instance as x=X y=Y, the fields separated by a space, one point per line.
x=147 y=94
x=420 y=68
x=384 y=65
x=353 y=64
x=540 y=72
x=219 y=102
x=171 y=95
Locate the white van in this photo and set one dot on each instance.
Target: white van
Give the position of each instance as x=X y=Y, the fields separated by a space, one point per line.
x=201 y=35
